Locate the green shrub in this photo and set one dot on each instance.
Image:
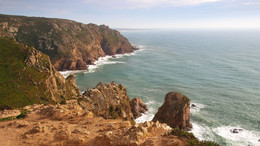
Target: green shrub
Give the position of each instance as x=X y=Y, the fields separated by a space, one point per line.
x=22 y=115
x=6 y=119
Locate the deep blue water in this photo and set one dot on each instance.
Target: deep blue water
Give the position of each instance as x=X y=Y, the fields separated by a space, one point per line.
x=219 y=70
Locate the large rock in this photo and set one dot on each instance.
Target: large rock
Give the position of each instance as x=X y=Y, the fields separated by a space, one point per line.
x=138 y=107
x=109 y=101
x=175 y=111
x=70 y=45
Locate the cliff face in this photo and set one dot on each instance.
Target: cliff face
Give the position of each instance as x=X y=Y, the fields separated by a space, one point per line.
x=70 y=45
x=175 y=111
x=27 y=77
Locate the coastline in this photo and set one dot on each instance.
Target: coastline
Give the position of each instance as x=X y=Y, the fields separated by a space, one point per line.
x=108 y=59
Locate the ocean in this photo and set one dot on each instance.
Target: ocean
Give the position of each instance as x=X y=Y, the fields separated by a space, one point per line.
x=219 y=70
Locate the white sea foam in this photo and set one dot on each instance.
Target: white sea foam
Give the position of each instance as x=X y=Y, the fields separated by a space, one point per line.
x=195 y=109
x=147 y=116
x=244 y=137
x=102 y=61
x=70 y=72
x=201 y=132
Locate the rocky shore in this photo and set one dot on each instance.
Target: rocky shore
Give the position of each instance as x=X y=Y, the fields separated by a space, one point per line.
x=38 y=106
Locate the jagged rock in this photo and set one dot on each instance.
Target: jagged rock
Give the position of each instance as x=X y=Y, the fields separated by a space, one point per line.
x=69 y=124
x=138 y=107
x=236 y=130
x=138 y=134
x=175 y=111
x=109 y=101
x=70 y=109
x=70 y=45
x=193 y=105
x=36 y=79
x=9 y=113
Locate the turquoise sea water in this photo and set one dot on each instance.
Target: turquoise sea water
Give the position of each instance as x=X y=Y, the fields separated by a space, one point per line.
x=219 y=70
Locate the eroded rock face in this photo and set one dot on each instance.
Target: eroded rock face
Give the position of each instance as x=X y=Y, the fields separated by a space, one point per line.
x=175 y=111
x=31 y=78
x=109 y=101
x=59 y=88
x=138 y=107
x=70 y=45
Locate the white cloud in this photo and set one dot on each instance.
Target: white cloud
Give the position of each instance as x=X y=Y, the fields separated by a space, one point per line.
x=252 y=3
x=148 y=3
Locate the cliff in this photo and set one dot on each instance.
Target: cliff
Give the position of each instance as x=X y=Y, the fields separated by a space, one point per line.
x=72 y=124
x=70 y=45
x=27 y=76
x=175 y=111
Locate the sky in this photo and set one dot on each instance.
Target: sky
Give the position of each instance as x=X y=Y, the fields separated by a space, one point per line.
x=144 y=14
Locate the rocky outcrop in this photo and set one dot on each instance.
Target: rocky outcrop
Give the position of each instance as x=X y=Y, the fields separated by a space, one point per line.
x=138 y=107
x=70 y=45
x=109 y=101
x=70 y=123
x=147 y=134
x=29 y=77
x=175 y=111
x=9 y=113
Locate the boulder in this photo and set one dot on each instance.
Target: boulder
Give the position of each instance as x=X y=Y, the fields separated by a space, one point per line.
x=138 y=107
x=175 y=111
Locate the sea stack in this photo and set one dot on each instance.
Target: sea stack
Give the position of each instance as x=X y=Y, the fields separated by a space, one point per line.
x=175 y=111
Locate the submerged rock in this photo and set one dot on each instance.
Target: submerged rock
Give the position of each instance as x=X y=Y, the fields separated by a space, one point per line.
x=236 y=130
x=138 y=107
x=175 y=111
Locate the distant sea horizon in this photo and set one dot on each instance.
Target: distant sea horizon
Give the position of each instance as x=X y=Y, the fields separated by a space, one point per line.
x=218 y=69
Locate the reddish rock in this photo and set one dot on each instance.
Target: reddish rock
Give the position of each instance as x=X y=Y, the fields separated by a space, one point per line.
x=138 y=107
x=175 y=111
x=109 y=101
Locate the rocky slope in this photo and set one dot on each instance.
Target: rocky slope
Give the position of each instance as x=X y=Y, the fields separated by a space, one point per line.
x=71 y=123
x=175 y=111
x=27 y=76
x=70 y=45
x=109 y=101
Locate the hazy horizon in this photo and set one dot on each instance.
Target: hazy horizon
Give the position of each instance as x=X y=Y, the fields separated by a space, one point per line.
x=144 y=14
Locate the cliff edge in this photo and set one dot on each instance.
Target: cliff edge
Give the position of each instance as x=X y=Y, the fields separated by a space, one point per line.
x=70 y=45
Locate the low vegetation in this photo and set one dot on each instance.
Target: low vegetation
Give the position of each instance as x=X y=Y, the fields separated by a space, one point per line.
x=191 y=139
x=20 y=116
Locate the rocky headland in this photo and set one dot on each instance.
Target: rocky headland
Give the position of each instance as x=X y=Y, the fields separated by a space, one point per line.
x=80 y=122
x=38 y=106
x=70 y=45
x=102 y=117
